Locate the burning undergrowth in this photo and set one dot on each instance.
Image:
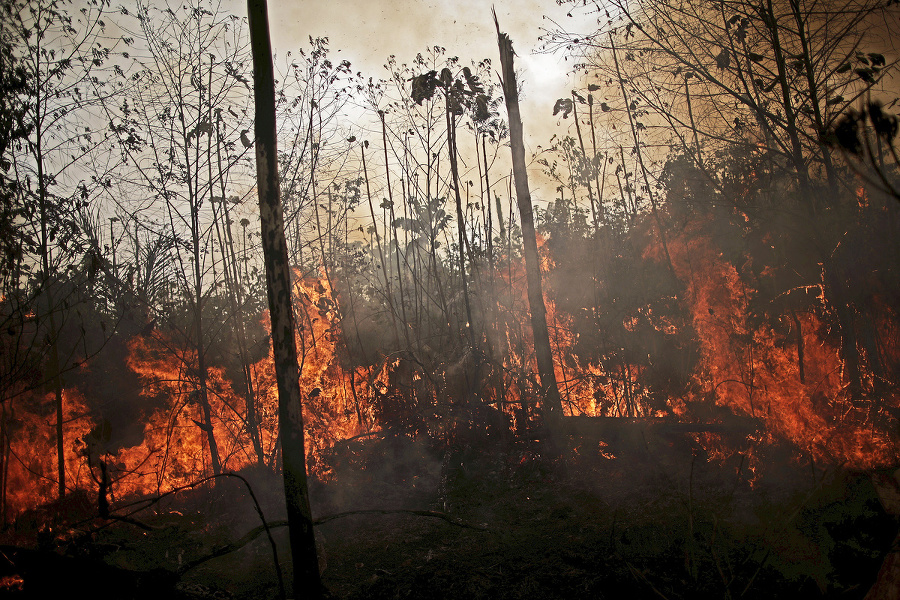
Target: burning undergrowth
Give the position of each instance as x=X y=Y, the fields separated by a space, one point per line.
x=720 y=375
x=707 y=348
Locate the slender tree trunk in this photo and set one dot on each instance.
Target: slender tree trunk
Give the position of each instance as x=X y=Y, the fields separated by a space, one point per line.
x=587 y=179
x=387 y=172
x=552 y=403
x=640 y=157
x=460 y=220
x=54 y=334
x=500 y=224
x=814 y=91
x=384 y=272
x=601 y=179
x=232 y=283
x=687 y=94
x=489 y=224
x=202 y=375
x=278 y=284
x=789 y=113
x=628 y=206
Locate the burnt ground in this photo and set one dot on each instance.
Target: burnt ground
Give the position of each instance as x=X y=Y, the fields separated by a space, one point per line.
x=671 y=524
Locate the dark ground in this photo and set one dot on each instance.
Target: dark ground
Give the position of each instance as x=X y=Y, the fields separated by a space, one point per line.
x=668 y=524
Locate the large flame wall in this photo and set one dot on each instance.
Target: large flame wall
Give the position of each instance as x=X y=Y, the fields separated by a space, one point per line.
x=789 y=376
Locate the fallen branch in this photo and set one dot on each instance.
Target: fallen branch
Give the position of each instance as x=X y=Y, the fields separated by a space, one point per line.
x=255 y=532
x=422 y=513
x=232 y=547
x=223 y=549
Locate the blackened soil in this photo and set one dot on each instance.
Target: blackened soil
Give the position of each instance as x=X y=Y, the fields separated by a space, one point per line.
x=517 y=526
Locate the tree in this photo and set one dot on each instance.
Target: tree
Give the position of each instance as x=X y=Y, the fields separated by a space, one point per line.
x=13 y=130
x=62 y=72
x=181 y=131
x=278 y=285
x=550 y=397
x=766 y=81
x=312 y=92
x=772 y=76
x=461 y=94
x=866 y=136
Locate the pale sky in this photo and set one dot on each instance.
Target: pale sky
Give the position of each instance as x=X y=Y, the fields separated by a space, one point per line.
x=367 y=32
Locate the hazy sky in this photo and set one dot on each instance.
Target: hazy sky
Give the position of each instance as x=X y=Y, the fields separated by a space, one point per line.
x=368 y=31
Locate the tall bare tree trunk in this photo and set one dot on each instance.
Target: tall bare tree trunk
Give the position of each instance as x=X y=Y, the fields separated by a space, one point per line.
x=45 y=275
x=790 y=114
x=460 y=219
x=587 y=180
x=640 y=156
x=552 y=403
x=389 y=295
x=278 y=284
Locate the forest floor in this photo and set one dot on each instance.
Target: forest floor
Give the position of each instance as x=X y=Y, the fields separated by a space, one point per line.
x=518 y=526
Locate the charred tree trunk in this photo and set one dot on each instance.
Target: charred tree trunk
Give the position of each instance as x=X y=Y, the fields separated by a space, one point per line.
x=790 y=114
x=637 y=150
x=552 y=403
x=278 y=285
x=587 y=176
x=460 y=219
x=45 y=275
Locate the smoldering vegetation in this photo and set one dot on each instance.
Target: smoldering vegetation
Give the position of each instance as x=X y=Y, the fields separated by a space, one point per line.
x=717 y=231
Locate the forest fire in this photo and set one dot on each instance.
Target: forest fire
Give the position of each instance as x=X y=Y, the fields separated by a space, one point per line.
x=661 y=356
x=787 y=375
x=790 y=381
x=173 y=451
x=746 y=383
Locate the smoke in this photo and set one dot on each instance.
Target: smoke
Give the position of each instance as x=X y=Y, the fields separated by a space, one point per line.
x=112 y=393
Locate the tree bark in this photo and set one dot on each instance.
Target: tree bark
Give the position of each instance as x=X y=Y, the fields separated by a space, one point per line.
x=460 y=219
x=640 y=156
x=587 y=180
x=790 y=115
x=551 y=401
x=306 y=578
x=48 y=290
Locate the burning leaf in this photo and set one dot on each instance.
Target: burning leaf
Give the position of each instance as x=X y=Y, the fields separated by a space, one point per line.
x=423 y=86
x=723 y=59
x=865 y=74
x=885 y=125
x=563 y=105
